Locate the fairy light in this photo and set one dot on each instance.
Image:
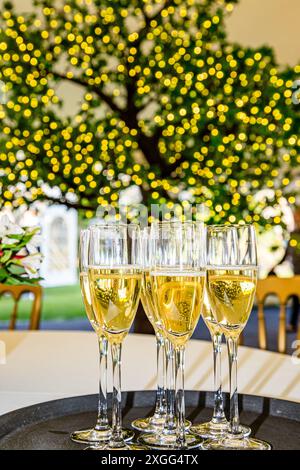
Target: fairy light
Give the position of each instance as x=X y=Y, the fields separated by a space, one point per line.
x=224 y=138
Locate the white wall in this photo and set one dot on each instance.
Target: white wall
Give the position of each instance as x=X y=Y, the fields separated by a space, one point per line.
x=271 y=22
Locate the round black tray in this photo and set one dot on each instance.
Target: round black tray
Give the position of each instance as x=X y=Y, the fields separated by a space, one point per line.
x=48 y=425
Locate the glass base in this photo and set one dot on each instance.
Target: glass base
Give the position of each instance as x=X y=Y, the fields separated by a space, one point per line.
x=244 y=431
x=130 y=446
x=151 y=424
x=235 y=443
x=172 y=431
x=164 y=442
x=95 y=436
x=212 y=430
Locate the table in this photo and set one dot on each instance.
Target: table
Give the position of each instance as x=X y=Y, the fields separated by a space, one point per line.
x=46 y=365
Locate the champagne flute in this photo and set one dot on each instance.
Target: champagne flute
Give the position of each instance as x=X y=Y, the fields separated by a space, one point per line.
x=166 y=425
x=218 y=425
x=231 y=286
x=157 y=421
x=115 y=278
x=178 y=280
x=102 y=431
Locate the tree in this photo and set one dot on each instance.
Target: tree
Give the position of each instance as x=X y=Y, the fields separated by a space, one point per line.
x=168 y=105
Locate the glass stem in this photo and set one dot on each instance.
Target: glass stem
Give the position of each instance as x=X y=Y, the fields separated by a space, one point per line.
x=102 y=419
x=116 y=439
x=170 y=389
x=232 y=345
x=160 y=407
x=218 y=414
x=180 y=402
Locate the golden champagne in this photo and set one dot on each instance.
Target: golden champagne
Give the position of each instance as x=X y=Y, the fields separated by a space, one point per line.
x=115 y=297
x=231 y=294
x=178 y=299
x=86 y=296
x=209 y=318
x=148 y=305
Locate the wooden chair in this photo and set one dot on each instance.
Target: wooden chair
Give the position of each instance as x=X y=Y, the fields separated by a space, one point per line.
x=16 y=292
x=283 y=288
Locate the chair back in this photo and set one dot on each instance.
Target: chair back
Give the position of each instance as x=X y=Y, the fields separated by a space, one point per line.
x=283 y=289
x=16 y=292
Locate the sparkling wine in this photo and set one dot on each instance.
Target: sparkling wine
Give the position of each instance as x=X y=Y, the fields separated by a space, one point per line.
x=231 y=294
x=86 y=295
x=178 y=299
x=115 y=296
x=148 y=304
x=209 y=319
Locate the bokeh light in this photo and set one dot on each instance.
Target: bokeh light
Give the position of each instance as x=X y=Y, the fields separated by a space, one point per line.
x=168 y=106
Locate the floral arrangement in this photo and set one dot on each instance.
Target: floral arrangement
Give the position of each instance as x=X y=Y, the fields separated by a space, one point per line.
x=20 y=257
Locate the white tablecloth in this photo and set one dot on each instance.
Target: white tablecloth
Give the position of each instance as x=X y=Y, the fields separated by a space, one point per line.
x=46 y=365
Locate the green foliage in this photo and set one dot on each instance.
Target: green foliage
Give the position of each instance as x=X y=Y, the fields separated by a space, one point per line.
x=168 y=104
x=17 y=265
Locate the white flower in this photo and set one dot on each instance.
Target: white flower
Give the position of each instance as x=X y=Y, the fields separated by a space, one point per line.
x=31 y=264
x=9 y=228
x=34 y=243
x=9 y=241
x=32 y=249
x=4 y=224
x=14 y=229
